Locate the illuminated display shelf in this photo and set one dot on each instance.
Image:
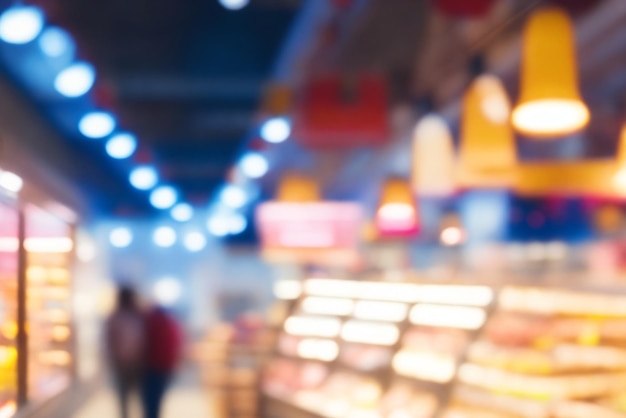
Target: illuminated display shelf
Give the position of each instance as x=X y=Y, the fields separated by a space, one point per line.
x=477 y=372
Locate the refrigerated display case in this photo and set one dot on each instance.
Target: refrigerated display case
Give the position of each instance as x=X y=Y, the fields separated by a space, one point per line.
x=48 y=244
x=453 y=351
x=9 y=247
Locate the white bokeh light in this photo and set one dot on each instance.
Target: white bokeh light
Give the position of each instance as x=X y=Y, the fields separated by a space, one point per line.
x=164 y=237
x=55 y=42
x=76 y=80
x=96 y=125
x=21 y=24
x=11 y=181
x=167 y=291
x=276 y=130
x=121 y=237
x=182 y=212
x=163 y=197
x=195 y=241
x=254 y=165
x=143 y=178
x=237 y=223
x=217 y=225
x=121 y=146
x=234 y=4
x=233 y=196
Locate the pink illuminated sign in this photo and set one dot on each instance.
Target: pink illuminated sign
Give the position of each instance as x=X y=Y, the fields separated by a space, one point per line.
x=320 y=225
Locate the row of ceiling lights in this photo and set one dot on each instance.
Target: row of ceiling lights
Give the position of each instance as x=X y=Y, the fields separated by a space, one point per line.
x=24 y=24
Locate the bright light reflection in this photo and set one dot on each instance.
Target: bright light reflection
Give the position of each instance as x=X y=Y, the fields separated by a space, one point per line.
x=429 y=366
x=59 y=245
x=448 y=316
x=327 y=306
x=314 y=349
x=21 y=24
x=313 y=326
x=121 y=146
x=121 y=237
x=237 y=223
x=164 y=237
x=381 y=311
x=276 y=130
x=218 y=226
x=96 y=125
x=456 y=295
x=143 y=178
x=195 y=241
x=76 y=80
x=167 y=291
x=163 y=197
x=452 y=236
x=287 y=289
x=254 y=165
x=551 y=117
x=182 y=212
x=11 y=181
x=370 y=333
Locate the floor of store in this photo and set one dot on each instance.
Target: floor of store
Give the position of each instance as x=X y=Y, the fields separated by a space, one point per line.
x=186 y=399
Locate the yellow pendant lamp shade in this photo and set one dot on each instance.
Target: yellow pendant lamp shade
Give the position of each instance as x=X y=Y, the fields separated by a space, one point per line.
x=487 y=154
x=298 y=188
x=433 y=158
x=397 y=213
x=550 y=104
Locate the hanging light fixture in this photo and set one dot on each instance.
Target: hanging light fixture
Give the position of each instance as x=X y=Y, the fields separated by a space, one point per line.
x=433 y=157
x=397 y=214
x=550 y=103
x=298 y=188
x=487 y=154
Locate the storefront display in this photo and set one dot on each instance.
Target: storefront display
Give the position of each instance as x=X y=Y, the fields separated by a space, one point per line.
x=423 y=350
x=49 y=248
x=9 y=245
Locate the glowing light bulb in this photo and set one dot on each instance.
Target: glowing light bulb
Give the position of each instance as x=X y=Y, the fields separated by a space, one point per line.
x=121 y=146
x=11 y=181
x=233 y=196
x=120 y=237
x=55 y=42
x=234 y=4
x=164 y=237
x=167 y=291
x=144 y=178
x=21 y=24
x=182 y=212
x=195 y=241
x=276 y=130
x=163 y=197
x=97 y=125
x=254 y=165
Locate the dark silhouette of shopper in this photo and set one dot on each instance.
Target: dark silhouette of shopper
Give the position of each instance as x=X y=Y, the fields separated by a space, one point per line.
x=163 y=352
x=125 y=344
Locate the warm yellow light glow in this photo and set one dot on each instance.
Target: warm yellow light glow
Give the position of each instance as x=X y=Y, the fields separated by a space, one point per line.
x=8 y=356
x=49 y=245
x=327 y=306
x=487 y=152
x=314 y=349
x=332 y=288
x=433 y=158
x=313 y=326
x=448 y=316
x=57 y=316
x=392 y=292
x=287 y=289
x=9 y=330
x=397 y=211
x=550 y=104
x=381 y=311
x=8 y=410
x=55 y=358
x=298 y=188
x=430 y=366
x=452 y=235
x=61 y=333
x=397 y=208
x=370 y=333
x=456 y=295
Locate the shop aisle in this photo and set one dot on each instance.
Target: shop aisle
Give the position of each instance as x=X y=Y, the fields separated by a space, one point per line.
x=186 y=399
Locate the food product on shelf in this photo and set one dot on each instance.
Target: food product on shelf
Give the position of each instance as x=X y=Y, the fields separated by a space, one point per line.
x=308 y=348
x=364 y=357
x=404 y=401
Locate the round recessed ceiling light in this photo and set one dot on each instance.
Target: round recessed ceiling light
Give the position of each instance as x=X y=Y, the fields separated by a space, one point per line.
x=76 y=80
x=195 y=241
x=237 y=223
x=21 y=24
x=121 y=237
x=96 y=125
x=276 y=130
x=234 y=4
x=144 y=178
x=164 y=237
x=167 y=291
x=121 y=146
x=163 y=197
x=182 y=212
x=233 y=196
x=55 y=42
x=254 y=165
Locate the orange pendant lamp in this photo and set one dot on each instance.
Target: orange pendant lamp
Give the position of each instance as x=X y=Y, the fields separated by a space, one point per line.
x=298 y=188
x=397 y=214
x=550 y=104
x=433 y=163
x=487 y=153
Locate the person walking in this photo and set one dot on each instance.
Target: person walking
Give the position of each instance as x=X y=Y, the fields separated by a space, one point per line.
x=163 y=352
x=125 y=346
